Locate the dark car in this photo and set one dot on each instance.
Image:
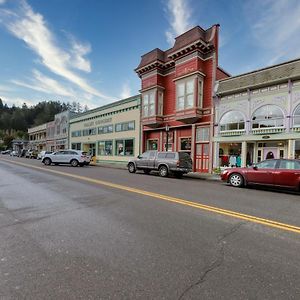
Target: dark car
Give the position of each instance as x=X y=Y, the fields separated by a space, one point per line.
x=283 y=173
x=177 y=163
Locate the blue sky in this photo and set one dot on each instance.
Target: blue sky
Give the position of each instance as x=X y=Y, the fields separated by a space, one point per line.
x=86 y=50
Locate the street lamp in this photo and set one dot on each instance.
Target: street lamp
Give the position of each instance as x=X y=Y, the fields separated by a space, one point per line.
x=167 y=139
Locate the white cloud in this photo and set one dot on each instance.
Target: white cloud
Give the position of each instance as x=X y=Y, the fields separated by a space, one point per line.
x=276 y=28
x=17 y=101
x=32 y=29
x=126 y=91
x=179 y=16
x=46 y=85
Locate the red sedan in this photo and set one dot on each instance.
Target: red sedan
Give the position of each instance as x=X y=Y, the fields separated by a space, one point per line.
x=283 y=173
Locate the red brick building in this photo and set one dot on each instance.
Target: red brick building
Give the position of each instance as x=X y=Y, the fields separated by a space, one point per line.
x=177 y=96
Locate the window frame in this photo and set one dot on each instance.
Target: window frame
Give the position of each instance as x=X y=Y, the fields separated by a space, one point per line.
x=226 y=125
x=124 y=145
x=147 y=107
x=267 y=118
x=105 y=141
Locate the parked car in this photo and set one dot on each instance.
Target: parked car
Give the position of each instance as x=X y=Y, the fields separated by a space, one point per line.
x=72 y=157
x=4 y=152
x=13 y=153
x=177 y=163
x=31 y=154
x=283 y=173
x=42 y=154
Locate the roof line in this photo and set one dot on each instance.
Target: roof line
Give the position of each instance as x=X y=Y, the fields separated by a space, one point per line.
x=262 y=69
x=116 y=103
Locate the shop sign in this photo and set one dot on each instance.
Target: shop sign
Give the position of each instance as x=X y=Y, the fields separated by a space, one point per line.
x=98 y=122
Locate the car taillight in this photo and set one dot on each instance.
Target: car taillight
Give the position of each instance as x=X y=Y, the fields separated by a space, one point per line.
x=83 y=156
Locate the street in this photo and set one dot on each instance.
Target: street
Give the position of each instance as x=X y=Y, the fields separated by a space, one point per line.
x=102 y=233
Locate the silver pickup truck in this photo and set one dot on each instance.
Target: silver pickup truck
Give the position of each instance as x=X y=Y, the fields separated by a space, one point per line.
x=176 y=163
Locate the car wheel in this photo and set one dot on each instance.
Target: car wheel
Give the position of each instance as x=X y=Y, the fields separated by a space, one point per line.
x=131 y=168
x=163 y=171
x=146 y=171
x=47 y=161
x=74 y=163
x=236 y=180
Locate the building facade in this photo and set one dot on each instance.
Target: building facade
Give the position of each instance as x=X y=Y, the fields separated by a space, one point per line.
x=37 y=138
x=51 y=136
x=111 y=133
x=177 y=96
x=258 y=116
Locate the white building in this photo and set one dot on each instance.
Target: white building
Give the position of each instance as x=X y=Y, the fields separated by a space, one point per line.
x=257 y=115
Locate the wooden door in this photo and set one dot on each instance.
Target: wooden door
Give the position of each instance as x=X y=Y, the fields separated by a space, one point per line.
x=202 y=157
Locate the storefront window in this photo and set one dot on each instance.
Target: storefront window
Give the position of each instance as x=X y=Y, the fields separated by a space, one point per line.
x=296 y=121
x=152 y=144
x=297 y=149
x=185 y=144
x=105 y=148
x=230 y=155
x=76 y=146
x=124 y=147
x=268 y=116
x=232 y=120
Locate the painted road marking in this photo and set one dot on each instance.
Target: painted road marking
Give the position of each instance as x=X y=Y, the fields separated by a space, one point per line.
x=217 y=210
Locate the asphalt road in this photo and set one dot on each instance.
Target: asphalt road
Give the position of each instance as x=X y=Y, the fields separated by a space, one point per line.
x=64 y=237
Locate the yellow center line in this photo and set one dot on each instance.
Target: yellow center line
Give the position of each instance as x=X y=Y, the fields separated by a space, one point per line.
x=234 y=214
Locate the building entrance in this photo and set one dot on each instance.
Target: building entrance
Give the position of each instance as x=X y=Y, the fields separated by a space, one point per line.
x=90 y=149
x=270 y=150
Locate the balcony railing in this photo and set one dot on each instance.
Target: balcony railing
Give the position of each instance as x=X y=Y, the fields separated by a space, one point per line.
x=152 y=121
x=267 y=130
x=296 y=129
x=232 y=132
x=189 y=116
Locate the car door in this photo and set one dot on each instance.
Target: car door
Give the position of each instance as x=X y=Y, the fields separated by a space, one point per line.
x=57 y=157
x=287 y=174
x=142 y=161
x=262 y=173
x=151 y=160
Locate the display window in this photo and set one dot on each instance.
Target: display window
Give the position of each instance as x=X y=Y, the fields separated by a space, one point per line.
x=186 y=144
x=152 y=145
x=105 y=148
x=125 y=147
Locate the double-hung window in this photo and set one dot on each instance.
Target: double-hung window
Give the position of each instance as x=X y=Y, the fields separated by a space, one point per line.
x=185 y=94
x=149 y=104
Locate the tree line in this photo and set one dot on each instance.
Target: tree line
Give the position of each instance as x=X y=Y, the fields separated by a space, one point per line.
x=14 y=121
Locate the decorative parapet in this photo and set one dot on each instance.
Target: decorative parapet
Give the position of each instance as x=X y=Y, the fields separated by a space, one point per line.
x=268 y=130
x=232 y=132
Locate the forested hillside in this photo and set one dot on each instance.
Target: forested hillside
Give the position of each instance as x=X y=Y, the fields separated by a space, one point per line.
x=14 y=121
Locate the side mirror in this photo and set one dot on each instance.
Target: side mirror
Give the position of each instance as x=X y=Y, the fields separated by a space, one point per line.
x=254 y=167
x=138 y=156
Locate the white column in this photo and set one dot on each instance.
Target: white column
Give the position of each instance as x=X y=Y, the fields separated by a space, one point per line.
x=244 y=154
x=291 y=149
x=216 y=162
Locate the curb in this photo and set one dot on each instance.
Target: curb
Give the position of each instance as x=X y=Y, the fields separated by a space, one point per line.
x=194 y=175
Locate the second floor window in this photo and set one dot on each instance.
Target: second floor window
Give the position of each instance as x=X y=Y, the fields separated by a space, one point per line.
x=149 y=104
x=185 y=94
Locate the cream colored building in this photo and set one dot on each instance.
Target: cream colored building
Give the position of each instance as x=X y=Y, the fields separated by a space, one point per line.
x=111 y=133
x=37 y=137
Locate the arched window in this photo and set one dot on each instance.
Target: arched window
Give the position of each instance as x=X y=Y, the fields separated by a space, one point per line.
x=268 y=116
x=232 y=120
x=296 y=121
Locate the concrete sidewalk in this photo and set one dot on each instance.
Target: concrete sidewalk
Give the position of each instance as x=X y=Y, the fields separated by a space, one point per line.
x=196 y=175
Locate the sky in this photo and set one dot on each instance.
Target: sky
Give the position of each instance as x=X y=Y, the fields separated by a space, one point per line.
x=86 y=50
